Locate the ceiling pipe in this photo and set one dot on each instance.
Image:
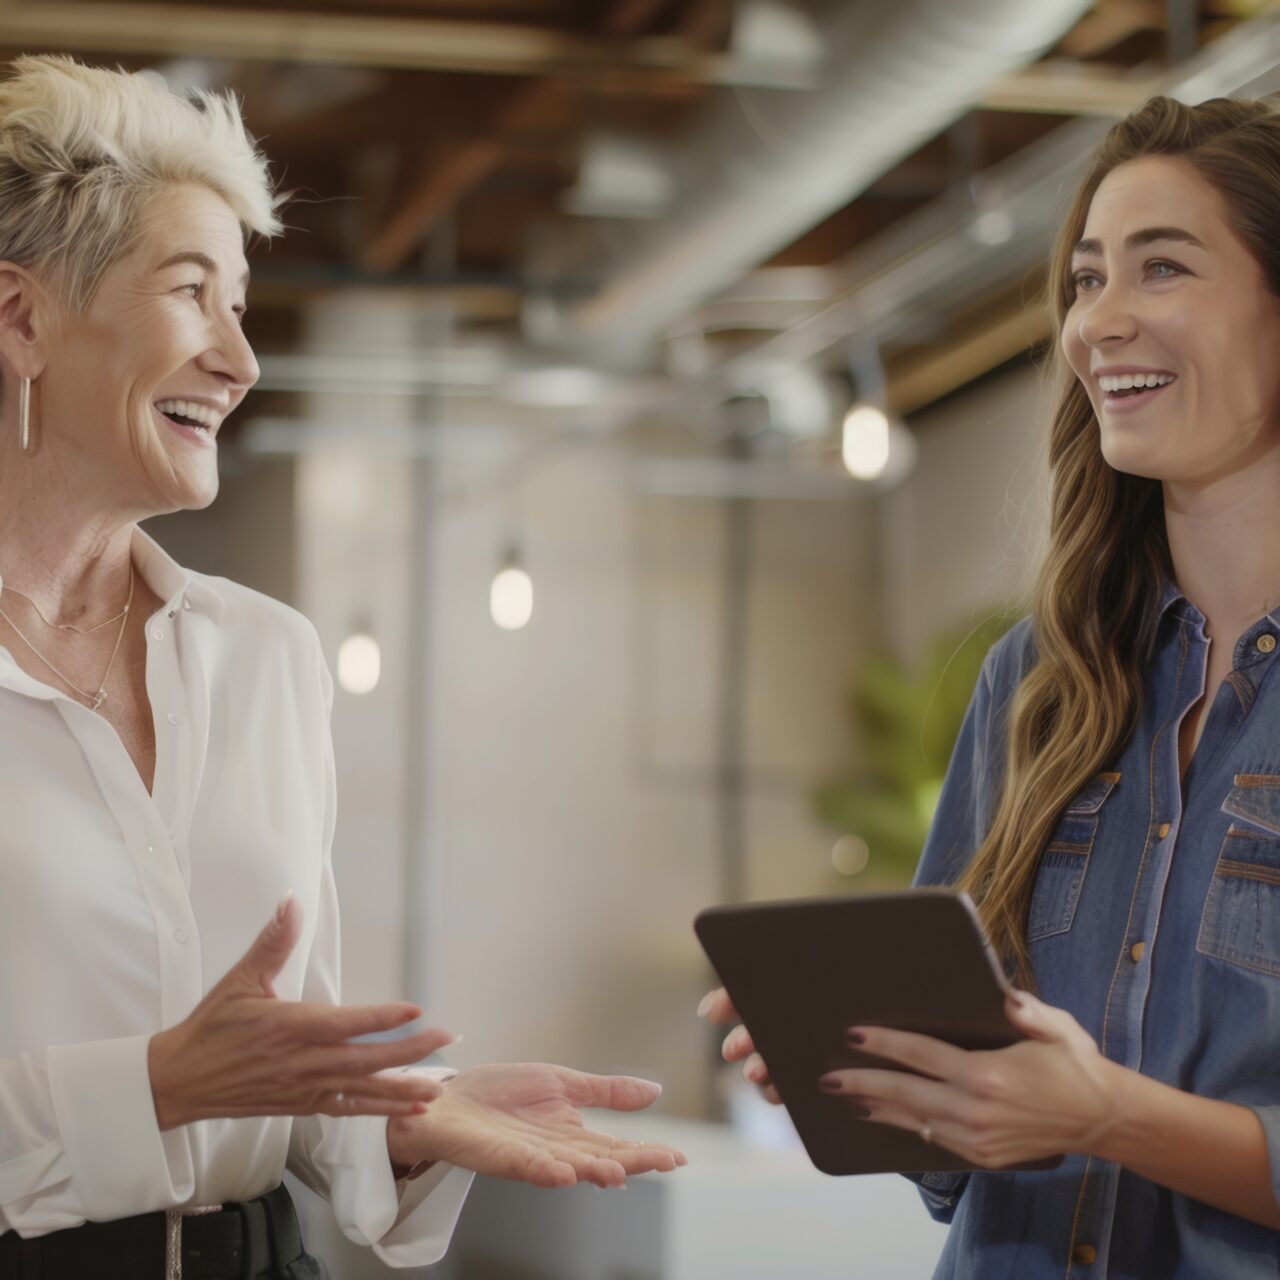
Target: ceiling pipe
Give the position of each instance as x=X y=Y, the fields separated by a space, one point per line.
x=761 y=169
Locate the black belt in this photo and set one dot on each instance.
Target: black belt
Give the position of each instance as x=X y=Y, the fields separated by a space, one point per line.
x=242 y=1242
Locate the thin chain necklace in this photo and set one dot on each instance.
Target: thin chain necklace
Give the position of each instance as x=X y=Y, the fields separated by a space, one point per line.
x=67 y=626
x=95 y=700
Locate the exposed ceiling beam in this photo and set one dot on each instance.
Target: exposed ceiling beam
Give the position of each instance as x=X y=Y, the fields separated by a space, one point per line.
x=436 y=184
x=1070 y=89
x=630 y=16
x=1111 y=23
x=704 y=23
x=441 y=182
x=370 y=40
x=1002 y=331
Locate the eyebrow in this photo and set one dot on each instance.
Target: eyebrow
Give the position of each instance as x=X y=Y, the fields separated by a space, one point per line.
x=1148 y=235
x=199 y=259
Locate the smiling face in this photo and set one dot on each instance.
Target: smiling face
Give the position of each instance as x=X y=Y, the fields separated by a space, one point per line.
x=160 y=341
x=1164 y=285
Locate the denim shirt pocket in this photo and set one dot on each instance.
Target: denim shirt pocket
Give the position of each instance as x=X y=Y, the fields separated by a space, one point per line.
x=1060 y=876
x=1241 y=918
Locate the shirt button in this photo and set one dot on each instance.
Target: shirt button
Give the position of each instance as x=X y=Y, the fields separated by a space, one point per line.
x=174 y=718
x=180 y=934
x=1162 y=830
x=1136 y=951
x=1084 y=1254
x=1266 y=642
x=157 y=633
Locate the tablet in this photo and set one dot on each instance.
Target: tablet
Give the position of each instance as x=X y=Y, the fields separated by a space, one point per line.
x=802 y=972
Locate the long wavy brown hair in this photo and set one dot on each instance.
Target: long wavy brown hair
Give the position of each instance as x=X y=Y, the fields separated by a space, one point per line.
x=1093 y=614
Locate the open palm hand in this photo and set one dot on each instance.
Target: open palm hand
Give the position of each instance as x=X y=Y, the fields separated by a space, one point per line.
x=523 y=1121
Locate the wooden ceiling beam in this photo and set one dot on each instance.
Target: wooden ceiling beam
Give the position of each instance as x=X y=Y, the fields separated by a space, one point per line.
x=436 y=186
x=1061 y=87
x=1004 y=327
x=438 y=181
x=443 y=181
x=1111 y=23
x=630 y=17
x=705 y=23
x=284 y=36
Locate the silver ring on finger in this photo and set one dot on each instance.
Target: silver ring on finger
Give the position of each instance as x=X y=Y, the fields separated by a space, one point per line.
x=926 y=1132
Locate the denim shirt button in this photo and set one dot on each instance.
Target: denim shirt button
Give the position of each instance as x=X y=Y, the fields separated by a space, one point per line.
x=1136 y=951
x=1266 y=642
x=1162 y=830
x=1084 y=1254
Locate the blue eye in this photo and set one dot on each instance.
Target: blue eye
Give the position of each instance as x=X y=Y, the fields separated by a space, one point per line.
x=1080 y=276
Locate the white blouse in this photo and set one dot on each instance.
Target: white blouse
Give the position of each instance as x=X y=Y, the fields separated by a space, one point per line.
x=119 y=910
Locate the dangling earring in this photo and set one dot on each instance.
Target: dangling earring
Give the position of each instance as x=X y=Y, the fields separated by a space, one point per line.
x=24 y=414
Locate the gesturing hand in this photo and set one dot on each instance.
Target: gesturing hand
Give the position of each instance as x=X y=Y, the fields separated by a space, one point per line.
x=1051 y=1094
x=244 y=1052
x=521 y=1121
x=718 y=1009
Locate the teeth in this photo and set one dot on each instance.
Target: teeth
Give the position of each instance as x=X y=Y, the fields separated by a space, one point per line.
x=208 y=418
x=1124 y=381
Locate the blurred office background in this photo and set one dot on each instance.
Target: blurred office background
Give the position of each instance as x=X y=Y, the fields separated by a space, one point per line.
x=711 y=330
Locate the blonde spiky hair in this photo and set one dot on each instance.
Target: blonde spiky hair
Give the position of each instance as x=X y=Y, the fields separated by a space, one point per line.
x=84 y=151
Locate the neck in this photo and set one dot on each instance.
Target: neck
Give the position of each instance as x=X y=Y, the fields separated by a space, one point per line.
x=1224 y=542
x=72 y=563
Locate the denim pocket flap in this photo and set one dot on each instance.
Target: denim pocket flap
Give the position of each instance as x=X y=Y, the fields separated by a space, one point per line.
x=1255 y=798
x=1091 y=797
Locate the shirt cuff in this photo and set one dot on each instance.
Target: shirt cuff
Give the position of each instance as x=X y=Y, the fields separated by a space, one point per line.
x=407 y=1224
x=120 y=1162
x=940 y=1192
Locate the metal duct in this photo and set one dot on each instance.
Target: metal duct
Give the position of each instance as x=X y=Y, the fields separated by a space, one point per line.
x=898 y=74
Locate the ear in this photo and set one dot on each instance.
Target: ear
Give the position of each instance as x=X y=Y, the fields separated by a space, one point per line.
x=26 y=321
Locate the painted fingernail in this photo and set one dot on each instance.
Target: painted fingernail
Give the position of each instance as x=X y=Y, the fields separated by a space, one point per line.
x=829 y=1083
x=282 y=906
x=704 y=1005
x=855 y=1036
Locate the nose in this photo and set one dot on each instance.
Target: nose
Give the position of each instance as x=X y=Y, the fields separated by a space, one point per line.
x=231 y=357
x=1108 y=317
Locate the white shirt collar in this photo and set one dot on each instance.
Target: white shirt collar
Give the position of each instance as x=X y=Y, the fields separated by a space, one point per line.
x=170 y=581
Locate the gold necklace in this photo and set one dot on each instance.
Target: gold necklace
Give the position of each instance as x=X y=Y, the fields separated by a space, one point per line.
x=95 y=700
x=67 y=626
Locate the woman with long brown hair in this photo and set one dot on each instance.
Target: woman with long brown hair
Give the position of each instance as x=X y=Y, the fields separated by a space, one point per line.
x=1113 y=802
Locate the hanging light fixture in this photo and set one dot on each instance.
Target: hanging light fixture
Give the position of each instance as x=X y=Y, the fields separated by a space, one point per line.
x=874 y=446
x=511 y=593
x=359 y=660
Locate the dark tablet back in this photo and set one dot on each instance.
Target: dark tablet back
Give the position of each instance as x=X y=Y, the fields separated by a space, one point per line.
x=802 y=972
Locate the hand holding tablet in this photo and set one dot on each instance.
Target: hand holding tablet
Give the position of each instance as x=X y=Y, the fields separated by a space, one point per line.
x=801 y=973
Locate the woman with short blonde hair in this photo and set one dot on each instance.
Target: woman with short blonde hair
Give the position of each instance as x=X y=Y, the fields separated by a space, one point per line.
x=167 y=773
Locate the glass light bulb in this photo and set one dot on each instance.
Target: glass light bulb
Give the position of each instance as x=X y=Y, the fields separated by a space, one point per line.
x=511 y=599
x=864 y=443
x=359 y=664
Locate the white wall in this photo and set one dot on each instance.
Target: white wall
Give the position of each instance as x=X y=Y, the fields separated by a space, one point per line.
x=963 y=532
x=572 y=766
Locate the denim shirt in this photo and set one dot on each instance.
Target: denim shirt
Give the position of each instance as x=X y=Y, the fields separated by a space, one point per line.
x=1155 y=920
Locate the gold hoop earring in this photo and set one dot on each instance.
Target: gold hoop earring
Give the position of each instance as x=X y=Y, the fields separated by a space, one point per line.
x=24 y=414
